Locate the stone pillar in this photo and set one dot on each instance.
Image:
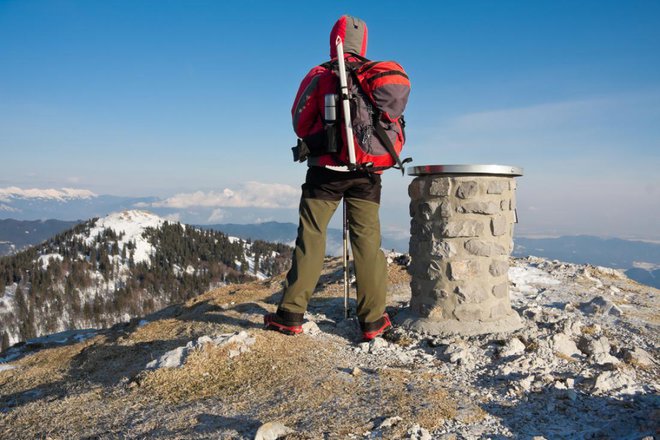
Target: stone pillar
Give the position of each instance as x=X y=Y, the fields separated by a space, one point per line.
x=461 y=238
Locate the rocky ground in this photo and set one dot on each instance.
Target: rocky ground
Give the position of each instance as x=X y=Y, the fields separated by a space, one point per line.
x=583 y=366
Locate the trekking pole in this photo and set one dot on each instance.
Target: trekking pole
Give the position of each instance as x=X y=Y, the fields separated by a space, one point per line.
x=345 y=258
x=345 y=102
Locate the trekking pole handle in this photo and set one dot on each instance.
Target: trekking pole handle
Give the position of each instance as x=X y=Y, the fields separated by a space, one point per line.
x=343 y=83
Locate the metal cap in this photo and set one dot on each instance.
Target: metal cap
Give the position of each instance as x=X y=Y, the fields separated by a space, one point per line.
x=498 y=170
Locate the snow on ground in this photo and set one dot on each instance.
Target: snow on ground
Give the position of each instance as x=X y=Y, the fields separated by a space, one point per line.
x=132 y=224
x=44 y=260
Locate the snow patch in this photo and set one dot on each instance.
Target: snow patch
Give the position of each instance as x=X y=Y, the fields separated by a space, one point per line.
x=132 y=224
x=44 y=260
x=526 y=278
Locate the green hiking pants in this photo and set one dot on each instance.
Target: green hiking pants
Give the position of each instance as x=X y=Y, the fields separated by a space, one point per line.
x=322 y=193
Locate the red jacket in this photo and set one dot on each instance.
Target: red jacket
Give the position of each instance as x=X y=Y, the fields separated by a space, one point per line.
x=308 y=107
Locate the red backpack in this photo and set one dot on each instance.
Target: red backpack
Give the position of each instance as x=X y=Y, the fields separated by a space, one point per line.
x=379 y=93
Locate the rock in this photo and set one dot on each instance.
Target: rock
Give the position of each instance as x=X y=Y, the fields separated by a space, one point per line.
x=638 y=356
x=356 y=371
x=600 y=306
x=440 y=187
x=605 y=359
x=591 y=346
x=6 y=367
x=378 y=344
x=419 y=433
x=612 y=381
x=499 y=225
x=497 y=187
x=272 y=431
x=311 y=328
x=488 y=208
x=176 y=358
x=462 y=228
x=484 y=248
x=467 y=190
x=463 y=269
x=390 y=422
x=172 y=359
x=571 y=327
x=513 y=347
x=564 y=345
x=498 y=268
x=525 y=384
x=459 y=354
x=364 y=347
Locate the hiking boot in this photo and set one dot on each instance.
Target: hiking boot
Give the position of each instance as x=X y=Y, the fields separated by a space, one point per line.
x=284 y=322
x=372 y=330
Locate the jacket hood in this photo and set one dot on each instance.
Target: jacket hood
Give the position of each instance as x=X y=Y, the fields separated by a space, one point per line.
x=353 y=33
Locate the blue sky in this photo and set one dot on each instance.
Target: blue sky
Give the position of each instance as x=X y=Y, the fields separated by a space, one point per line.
x=186 y=100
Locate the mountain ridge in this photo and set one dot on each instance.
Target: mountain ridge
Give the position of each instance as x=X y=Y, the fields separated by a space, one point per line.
x=123 y=265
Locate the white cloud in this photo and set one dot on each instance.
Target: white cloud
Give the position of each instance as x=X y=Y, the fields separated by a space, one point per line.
x=13 y=192
x=174 y=218
x=217 y=215
x=248 y=195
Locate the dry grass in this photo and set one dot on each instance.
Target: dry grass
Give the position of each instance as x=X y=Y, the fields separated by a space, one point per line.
x=589 y=329
x=42 y=368
x=87 y=389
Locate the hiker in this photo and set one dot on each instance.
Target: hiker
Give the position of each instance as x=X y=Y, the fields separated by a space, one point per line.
x=330 y=177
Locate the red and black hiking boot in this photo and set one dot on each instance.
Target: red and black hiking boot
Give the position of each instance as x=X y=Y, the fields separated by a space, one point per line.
x=371 y=330
x=284 y=322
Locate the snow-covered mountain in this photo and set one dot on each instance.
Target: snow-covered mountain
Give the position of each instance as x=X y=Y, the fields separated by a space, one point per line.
x=120 y=266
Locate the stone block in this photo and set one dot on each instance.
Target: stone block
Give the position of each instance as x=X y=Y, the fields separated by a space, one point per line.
x=438 y=293
x=471 y=312
x=446 y=209
x=498 y=268
x=500 y=310
x=484 y=248
x=497 y=187
x=421 y=231
x=443 y=249
x=440 y=187
x=435 y=270
x=471 y=294
x=419 y=248
x=462 y=228
x=505 y=205
x=467 y=189
x=463 y=270
x=512 y=184
x=416 y=188
x=499 y=225
x=427 y=209
x=501 y=290
x=488 y=208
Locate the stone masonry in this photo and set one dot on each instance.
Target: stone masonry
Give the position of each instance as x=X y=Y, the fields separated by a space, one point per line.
x=461 y=239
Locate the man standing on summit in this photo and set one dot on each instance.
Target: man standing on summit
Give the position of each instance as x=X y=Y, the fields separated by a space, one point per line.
x=378 y=92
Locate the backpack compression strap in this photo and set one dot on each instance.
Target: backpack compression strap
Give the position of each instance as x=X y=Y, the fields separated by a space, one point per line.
x=387 y=143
